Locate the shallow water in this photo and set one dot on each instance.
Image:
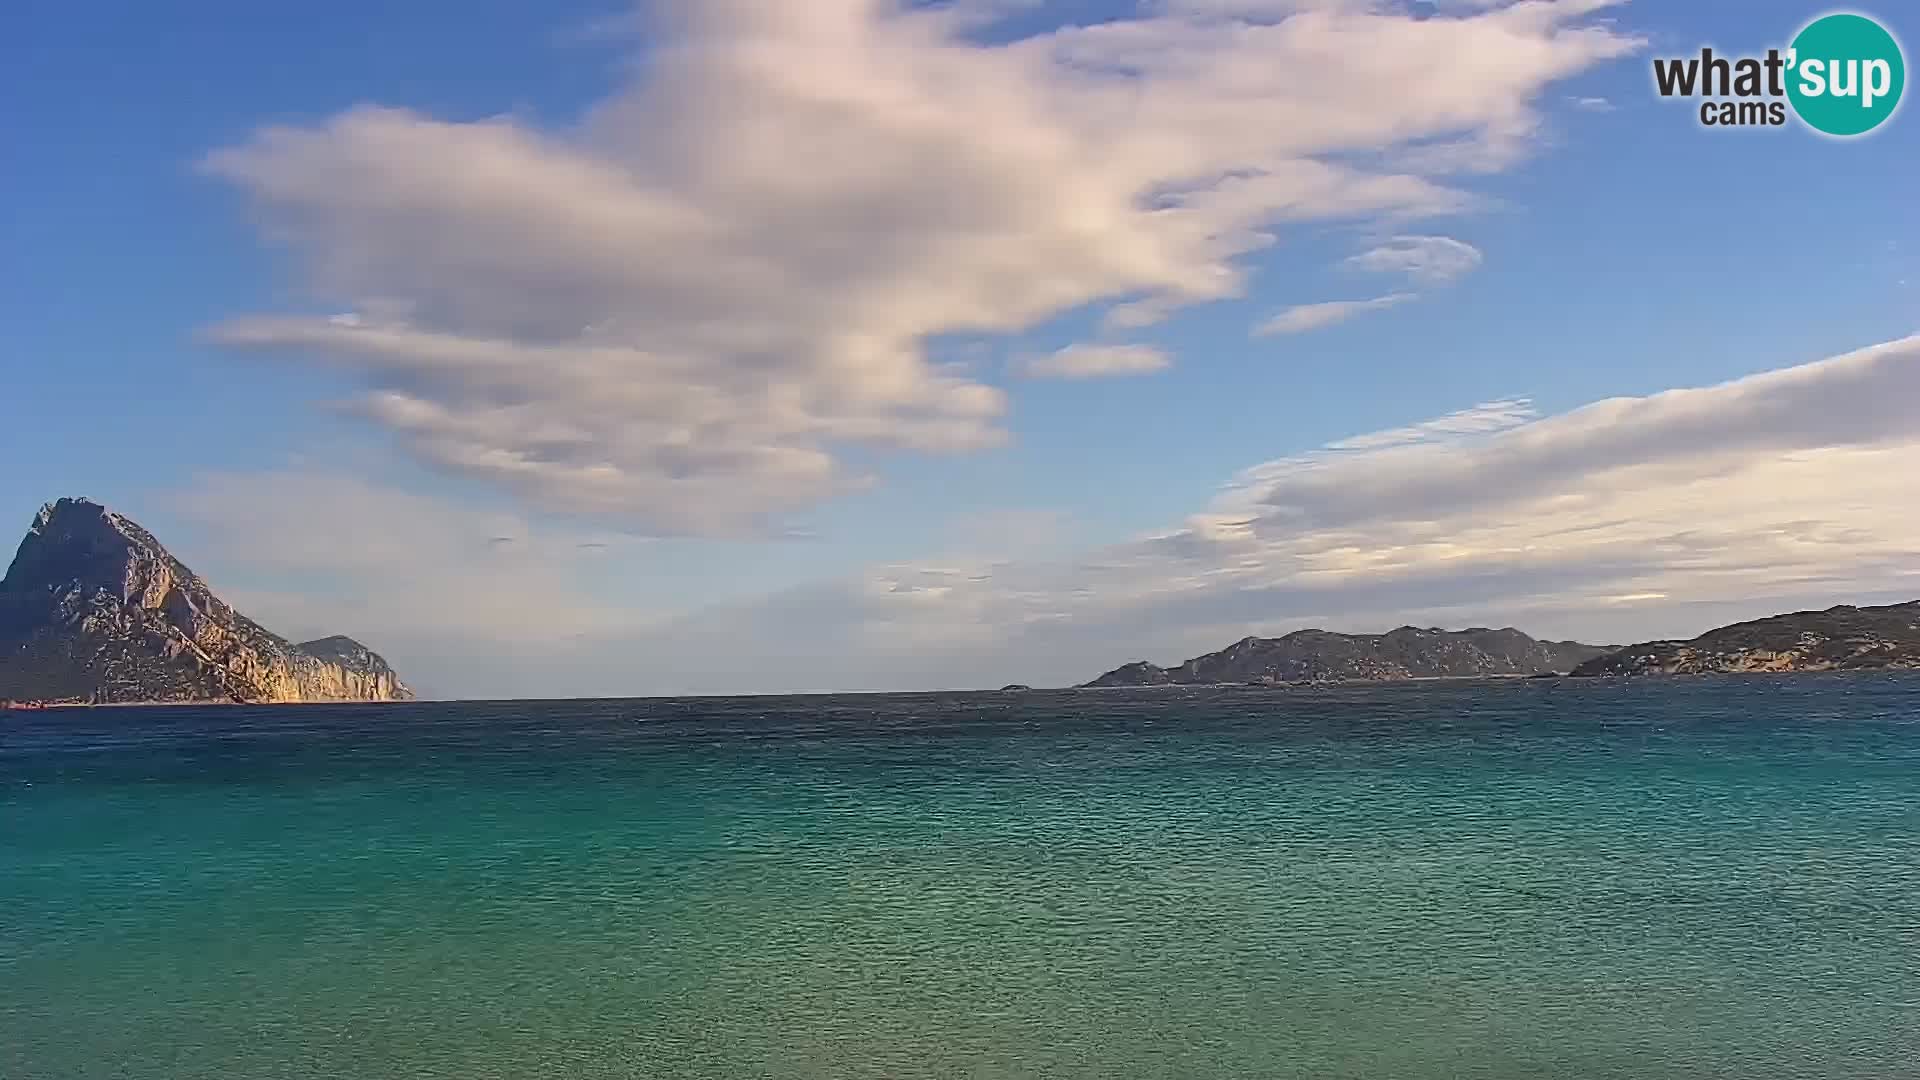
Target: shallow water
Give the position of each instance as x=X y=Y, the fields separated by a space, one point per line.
x=1553 y=879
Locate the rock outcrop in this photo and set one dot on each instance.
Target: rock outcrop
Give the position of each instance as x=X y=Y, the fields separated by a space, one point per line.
x=1409 y=652
x=93 y=608
x=353 y=672
x=1840 y=638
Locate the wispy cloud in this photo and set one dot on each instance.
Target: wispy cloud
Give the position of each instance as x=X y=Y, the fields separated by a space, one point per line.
x=1426 y=261
x=1429 y=260
x=1304 y=317
x=1483 y=419
x=1592 y=104
x=1096 y=361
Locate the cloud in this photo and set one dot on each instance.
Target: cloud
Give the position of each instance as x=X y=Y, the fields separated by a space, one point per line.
x=1625 y=519
x=1482 y=419
x=1430 y=260
x=1592 y=104
x=1426 y=260
x=1304 y=317
x=1858 y=399
x=686 y=308
x=1097 y=361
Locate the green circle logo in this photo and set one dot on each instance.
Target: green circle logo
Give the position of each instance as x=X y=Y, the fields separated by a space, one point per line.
x=1845 y=74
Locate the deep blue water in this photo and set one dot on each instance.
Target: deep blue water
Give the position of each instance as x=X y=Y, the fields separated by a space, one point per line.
x=1551 y=879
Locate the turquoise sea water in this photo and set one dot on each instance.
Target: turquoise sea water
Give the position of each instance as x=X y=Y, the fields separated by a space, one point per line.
x=1552 y=879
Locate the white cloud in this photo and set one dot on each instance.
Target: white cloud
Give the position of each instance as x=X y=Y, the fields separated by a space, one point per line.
x=1625 y=519
x=1859 y=399
x=1304 y=317
x=1097 y=361
x=1430 y=260
x=1592 y=104
x=682 y=308
x=1426 y=260
x=1482 y=419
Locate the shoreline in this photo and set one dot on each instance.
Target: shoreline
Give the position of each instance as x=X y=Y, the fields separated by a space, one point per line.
x=1001 y=693
x=48 y=706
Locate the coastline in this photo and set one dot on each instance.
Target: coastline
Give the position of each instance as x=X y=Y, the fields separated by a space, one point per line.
x=1038 y=690
x=8 y=705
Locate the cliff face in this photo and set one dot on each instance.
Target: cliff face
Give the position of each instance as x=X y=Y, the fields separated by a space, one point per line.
x=1840 y=638
x=1321 y=656
x=349 y=671
x=93 y=608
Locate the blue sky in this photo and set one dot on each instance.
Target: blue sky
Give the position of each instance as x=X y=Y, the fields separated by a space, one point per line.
x=1620 y=250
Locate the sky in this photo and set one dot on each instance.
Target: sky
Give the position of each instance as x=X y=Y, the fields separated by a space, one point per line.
x=577 y=349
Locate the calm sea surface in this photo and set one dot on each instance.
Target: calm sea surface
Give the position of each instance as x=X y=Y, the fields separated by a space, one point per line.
x=1551 y=879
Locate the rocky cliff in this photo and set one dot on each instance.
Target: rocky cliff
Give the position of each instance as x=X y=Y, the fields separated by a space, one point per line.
x=1838 y=639
x=356 y=673
x=93 y=608
x=1409 y=652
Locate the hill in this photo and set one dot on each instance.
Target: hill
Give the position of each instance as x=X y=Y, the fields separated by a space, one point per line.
x=94 y=609
x=1842 y=638
x=1323 y=656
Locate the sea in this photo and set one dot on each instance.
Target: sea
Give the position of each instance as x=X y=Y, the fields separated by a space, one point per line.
x=1564 y=879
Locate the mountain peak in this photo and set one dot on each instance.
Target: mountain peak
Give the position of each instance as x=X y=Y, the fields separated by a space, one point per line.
x=94 y=608
x=76 y=504
x=332 y=643
x=81 y=514
x=80 y=544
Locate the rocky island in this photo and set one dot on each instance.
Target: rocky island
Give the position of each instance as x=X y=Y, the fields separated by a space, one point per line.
x=1409 y=652
x=94 y=609
x=1842 y=638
